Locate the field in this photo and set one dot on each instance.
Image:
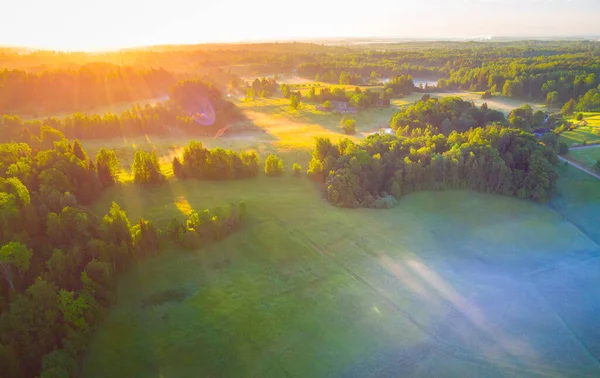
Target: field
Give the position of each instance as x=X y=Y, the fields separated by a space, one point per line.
x=482 y=285
x=587 y=156
x=589 y=133
x=448 y=283
x=503 y=104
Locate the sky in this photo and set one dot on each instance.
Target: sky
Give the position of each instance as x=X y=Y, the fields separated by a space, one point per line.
x=92 y=25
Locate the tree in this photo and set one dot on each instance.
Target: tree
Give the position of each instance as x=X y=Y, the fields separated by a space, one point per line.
x=146 y=168
x=294 y=101
x=579 y=116
x=107 y=165
x=14 y=256
x=297 y=170
x=178 y=168
x=348 y=125
x=273 y=166
x=568 y=107
x=328 y=105
x=597 y=166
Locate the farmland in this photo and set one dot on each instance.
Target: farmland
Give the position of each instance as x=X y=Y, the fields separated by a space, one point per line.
x=586 y=133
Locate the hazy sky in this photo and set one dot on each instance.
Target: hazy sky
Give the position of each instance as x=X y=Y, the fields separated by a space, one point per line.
x=99 y=24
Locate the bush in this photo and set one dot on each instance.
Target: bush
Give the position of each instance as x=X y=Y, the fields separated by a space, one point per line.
x=348 y=125
x=297 y=170
x=486 y=95
x=328 y=105
x=579 y=117
x=563 y=148
x=273 y=166
x=597 y=166
x=294 y=101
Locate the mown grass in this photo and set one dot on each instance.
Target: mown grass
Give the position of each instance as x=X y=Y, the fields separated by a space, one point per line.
x=584 y=134
x=307 y=289
x=587 y=156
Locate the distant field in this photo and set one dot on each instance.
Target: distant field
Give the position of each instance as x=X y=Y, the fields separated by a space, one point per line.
x=274 y=128
x=502 y=104
x=589 y=133
x=447 y=281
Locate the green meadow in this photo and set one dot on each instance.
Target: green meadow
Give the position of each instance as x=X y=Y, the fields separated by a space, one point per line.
x=452 y=283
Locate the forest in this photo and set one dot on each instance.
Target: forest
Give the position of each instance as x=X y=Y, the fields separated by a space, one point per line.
x=155 y=119
x=59 y=261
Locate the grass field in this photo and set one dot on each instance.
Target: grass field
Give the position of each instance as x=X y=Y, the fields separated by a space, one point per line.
x=587 y=156
x=503 y=104
x=446 y=283
x=589 y=133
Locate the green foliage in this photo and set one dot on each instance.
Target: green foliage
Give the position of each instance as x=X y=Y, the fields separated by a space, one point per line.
x=217 y=164
x=579 y=117
x=445 y=114
x=297 y=170
x=273 y=166
x=328 y=105
x=348 y=125
x=495 y=159
x=107 y=165
x=294 y=101
x=14 y=257
x=597 y=166
x=568 y=108
x=146 y=169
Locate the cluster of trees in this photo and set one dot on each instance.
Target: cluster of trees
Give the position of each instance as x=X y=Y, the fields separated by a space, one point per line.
x=81 y=88
x=187 y=98
x=264 y=87
x=58 y=260
x=381 y=169
x=273 y=166
x=201 y=228
x=357 y=98
x=218 y=164
x=400 y=85
x=348 y=125
x=446 y=114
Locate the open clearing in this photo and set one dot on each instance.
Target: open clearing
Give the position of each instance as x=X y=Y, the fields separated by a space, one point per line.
x=589 y=133
x=503 y=104
x=587 y=156
x=446 y=283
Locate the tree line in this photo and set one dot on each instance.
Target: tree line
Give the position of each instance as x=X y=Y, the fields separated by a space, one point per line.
x=59 y=261
x=87 y=86
x=382 y=168
x=187 y=97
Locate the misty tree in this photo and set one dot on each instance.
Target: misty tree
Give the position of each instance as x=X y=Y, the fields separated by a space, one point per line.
x=14 y=255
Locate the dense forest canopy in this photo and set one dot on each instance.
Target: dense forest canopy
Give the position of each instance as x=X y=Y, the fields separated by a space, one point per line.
x=382 y=168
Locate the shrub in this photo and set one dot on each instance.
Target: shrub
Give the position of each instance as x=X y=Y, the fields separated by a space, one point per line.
x=348 y=125
x=273 y=166
x=294 y=101
x=579 y=116
x=597 y=166
x=297 y=170
x=563 y=148
x=328 y=105
x=385 y=202
x=486 y=95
